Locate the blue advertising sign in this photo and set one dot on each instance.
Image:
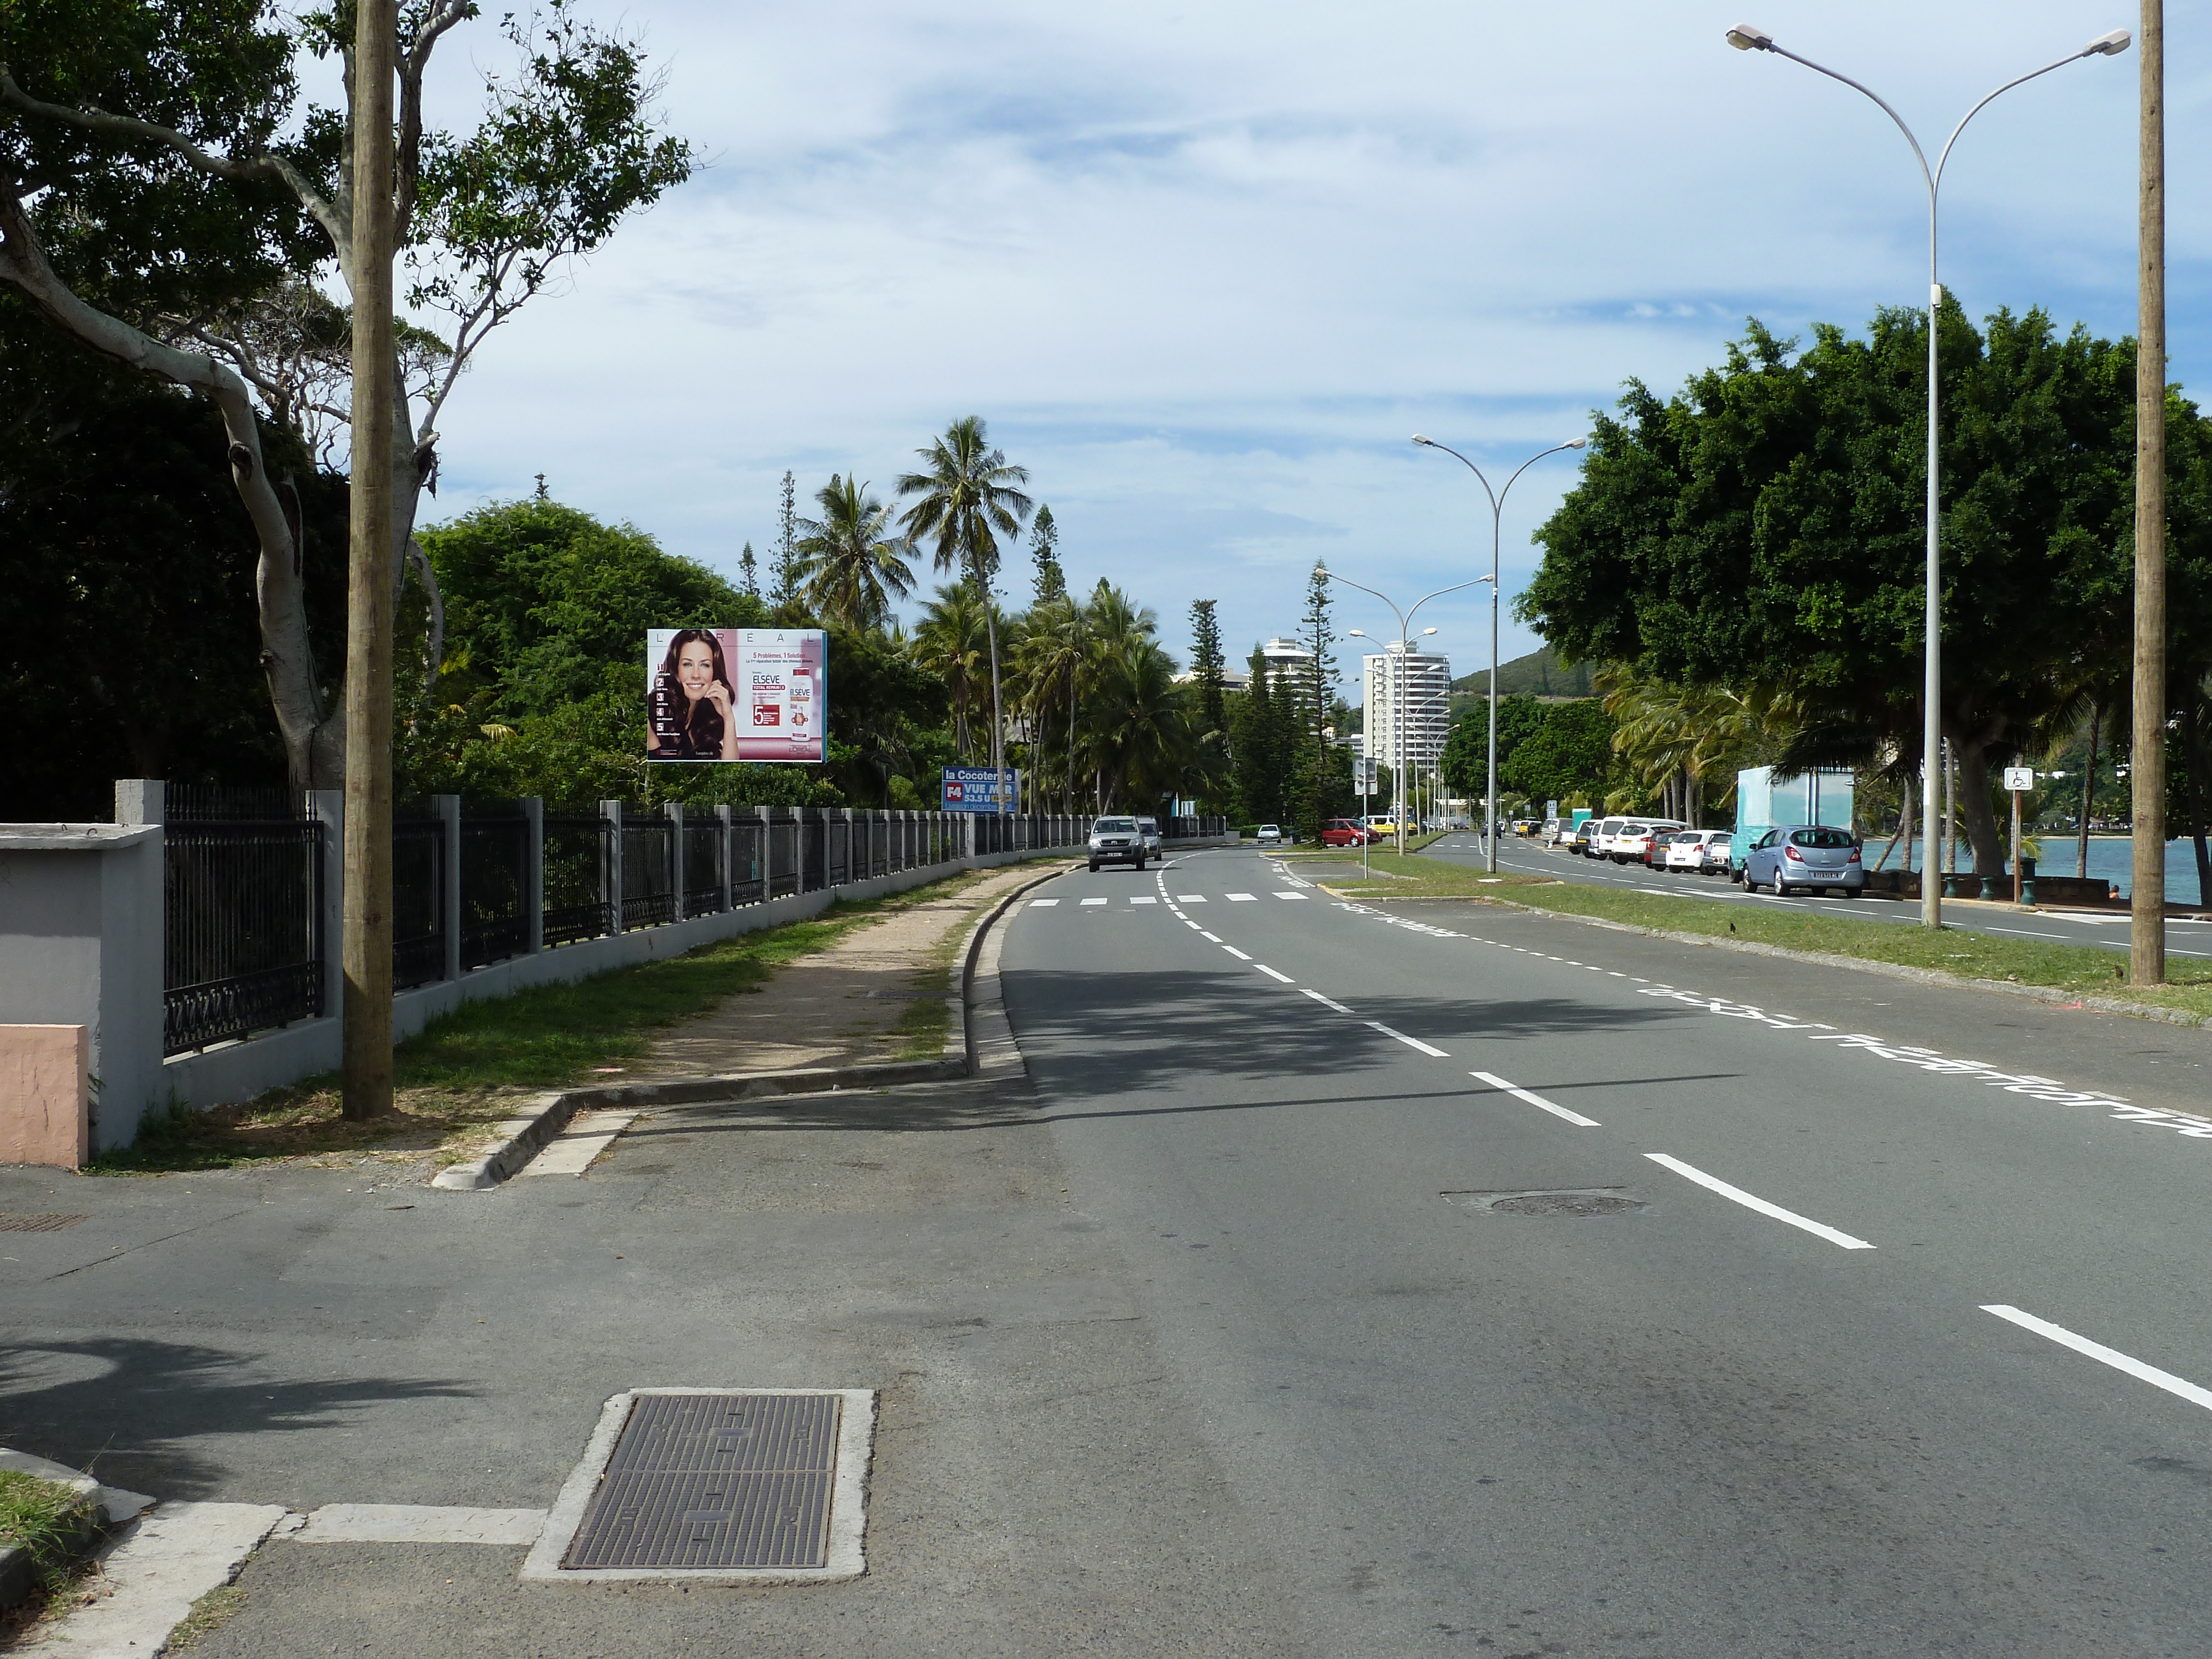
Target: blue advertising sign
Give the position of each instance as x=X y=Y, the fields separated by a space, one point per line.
x=980 y=789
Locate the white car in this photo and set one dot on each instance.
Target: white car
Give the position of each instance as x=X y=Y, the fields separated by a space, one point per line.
x=1271 y=834
x=1702 y=851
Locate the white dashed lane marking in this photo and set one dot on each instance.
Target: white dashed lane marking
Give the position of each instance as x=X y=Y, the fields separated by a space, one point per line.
x=1272 y=974
x=1326 y=1002
x=1737 y=1194
x=1190 y=898
x=1238 y=954
x=1143 y=898
x=1496 y=1082
x=1409 y=1041
x=1241 y=898
x=1093 y=901
x=1042 y=904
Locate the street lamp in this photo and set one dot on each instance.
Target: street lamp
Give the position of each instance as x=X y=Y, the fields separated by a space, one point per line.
x=1497 y=509
x=1745 y=38
x=1405 y=644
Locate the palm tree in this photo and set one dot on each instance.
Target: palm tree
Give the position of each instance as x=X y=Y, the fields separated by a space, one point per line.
x=1054 y=655
x=849 y=569
x=967 y=501
x=949 y=644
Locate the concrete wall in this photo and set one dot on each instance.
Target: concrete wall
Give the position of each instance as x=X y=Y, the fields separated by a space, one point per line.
x=80 y=925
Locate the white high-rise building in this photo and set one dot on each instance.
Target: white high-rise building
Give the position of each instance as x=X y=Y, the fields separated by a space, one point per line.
x=1414 y=685
x=1290 y=667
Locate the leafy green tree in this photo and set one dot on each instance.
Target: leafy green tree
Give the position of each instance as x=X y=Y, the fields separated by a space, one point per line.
x=1569 y=754
x=847 y=567
x=1263 y=725
x=1767 y=521
x=952 y=643
x=126 y=583
x=1466 y=761
x=967 y=500
x=158 y=152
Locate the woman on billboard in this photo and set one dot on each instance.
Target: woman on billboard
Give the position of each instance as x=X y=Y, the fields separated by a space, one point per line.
x=688 y=705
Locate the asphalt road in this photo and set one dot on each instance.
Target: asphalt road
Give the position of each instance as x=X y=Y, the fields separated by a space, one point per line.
x=1692 y=1426
x=1254 y=1322
x=2183 y=938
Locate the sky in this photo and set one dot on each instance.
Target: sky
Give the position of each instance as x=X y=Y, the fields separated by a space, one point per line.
x=1204 y=270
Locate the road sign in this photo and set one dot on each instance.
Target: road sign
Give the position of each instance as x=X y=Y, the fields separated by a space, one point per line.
x=1363 y=774
x=2020 y=777
x=979 y=789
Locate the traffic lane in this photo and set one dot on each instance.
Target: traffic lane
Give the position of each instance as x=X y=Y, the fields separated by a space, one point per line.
x=2184 y=938
x=2018 y=1194
x=1445 y=1411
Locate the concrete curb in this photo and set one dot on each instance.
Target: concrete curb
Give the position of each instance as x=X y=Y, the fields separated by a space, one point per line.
x=971 y=947
x=1825 y=959
x=520 y=1139
x=111 y=1507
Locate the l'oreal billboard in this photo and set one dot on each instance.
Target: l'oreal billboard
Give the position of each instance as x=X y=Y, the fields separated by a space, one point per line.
x=736 y=694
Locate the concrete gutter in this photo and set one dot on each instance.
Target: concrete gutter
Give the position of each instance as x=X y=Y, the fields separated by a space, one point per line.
x=520 y=1139
x=1826 y=959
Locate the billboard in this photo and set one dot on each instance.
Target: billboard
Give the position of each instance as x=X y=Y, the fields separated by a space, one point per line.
x=980 y=789
x=737 y=694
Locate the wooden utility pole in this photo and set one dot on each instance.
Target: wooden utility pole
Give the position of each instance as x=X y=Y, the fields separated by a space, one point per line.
x=2147 y=776
x=365 y=954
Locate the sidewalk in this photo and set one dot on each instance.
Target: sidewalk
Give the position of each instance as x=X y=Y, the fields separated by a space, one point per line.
x=371 y=1392
x=841 y=1006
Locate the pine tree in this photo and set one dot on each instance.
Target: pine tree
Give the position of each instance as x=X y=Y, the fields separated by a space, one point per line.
x=785 y=574
x=751 y=568
x=1044 y=542
x=1206 y=665
x=1318 y=637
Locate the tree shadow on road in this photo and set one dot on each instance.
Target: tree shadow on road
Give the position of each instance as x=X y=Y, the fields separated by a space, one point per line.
x=128 y=1409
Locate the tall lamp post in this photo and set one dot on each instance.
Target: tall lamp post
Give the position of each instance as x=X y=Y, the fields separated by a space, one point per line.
x=1497 y=511
x=1405 y=650
x=1744 y=38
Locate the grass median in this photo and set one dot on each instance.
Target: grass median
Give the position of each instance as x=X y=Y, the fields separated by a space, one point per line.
x=469 y=1069
x=2080 y=968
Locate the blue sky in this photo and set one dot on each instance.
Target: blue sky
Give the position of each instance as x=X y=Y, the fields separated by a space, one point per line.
x=1204 y=268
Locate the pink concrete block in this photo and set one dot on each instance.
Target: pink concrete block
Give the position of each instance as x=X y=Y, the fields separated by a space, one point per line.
x=45 y=1099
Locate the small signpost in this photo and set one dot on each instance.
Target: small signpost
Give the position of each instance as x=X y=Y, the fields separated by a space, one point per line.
x=2019 y=780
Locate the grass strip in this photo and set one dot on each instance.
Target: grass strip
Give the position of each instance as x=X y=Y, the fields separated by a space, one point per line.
x=2081 y=970
x=49 y=1520
x=468 y=1069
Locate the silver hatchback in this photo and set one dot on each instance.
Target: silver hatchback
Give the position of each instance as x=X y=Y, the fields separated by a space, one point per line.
x=1805 y=857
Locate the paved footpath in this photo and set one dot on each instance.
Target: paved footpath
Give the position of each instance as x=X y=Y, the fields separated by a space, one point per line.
x=839 y=1006
x=259 y=1346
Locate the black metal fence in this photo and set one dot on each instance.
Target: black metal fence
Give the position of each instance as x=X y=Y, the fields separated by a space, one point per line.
x=246 y=881
x=242 y=913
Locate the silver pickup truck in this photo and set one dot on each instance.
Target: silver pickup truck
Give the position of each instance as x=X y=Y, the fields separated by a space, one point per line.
x=1116 y=840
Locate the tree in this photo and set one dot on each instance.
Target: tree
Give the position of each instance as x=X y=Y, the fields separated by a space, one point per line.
x=1569 y=754
x=783 y=587
x=1044 y=545
x=1766 y=521
x=952 y=643
x=1212 y=713
x=158 y=174
x=1466 y=762
x=967 y=500
x=847 y=568
x=126 y=571
x=749 y=569
x=1261 y=730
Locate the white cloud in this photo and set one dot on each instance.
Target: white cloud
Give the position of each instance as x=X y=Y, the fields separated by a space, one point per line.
x=1205 y=268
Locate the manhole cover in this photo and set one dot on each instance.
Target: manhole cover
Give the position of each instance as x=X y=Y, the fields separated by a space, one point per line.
x=37 y=1223
x=1588 y=1200
x=720 y=1482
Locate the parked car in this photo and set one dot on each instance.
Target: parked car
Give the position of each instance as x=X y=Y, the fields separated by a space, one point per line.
x=1584 y=838
x=1271 y=834
x=1631 y=842
x=1650 y=848
x=1701 y=851
x=1805 y=858
x=1116 y=840
x=1150 y=829
x=1600 y=841
x=1346 y=832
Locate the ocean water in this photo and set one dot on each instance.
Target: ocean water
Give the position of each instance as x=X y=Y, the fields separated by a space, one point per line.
x=2111 y=857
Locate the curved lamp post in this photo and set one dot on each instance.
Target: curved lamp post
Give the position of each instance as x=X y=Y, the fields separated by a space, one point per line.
x=1497 y=509
x=1744 y=38
x=1405 y=650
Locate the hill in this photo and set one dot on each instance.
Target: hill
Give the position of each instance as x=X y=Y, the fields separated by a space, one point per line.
x=1539 y=674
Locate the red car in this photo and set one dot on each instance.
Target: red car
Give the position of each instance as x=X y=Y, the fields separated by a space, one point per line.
x=1344 y=832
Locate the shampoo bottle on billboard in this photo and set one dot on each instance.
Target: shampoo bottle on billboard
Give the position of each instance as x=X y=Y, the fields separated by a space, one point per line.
x=737 y=694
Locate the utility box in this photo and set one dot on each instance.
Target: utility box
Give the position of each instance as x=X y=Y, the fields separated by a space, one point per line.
x=1765 y=797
